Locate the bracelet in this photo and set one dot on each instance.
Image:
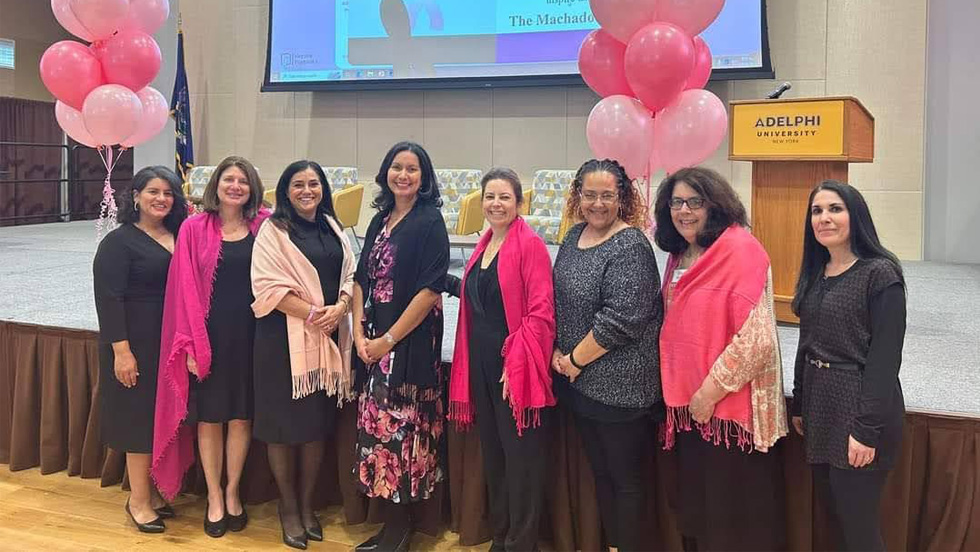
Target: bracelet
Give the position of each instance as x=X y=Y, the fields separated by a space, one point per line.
x=571 y=358
x=309 y=318
x=346 y=301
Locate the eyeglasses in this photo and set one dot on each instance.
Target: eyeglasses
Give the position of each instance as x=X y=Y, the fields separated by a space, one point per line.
x=693 y=203
x=606 y=197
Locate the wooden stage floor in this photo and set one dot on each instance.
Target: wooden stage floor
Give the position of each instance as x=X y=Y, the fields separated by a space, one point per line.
x=57 y=512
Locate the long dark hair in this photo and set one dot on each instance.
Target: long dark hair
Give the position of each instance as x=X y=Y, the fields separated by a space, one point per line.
x=128 y=214
x=284 y=212
x=428 y=186
x=632 y=208
x=720 y=200
x=864 y=239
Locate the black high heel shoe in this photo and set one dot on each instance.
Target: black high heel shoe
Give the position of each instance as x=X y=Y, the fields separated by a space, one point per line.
x=153 y=526
x=371 y=544
x=294 y=542
x=215 y=529
x=314 y=533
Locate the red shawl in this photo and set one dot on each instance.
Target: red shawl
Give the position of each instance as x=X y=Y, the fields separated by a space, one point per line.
x=185 y=313
x=710 y=303
x=524 y=271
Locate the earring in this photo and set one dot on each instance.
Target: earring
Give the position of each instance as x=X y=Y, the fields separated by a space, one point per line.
x=136 y=205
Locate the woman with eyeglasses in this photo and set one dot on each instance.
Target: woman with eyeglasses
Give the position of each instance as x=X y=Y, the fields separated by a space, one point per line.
x=847 y=398
x=608 y=314
x=720 y=366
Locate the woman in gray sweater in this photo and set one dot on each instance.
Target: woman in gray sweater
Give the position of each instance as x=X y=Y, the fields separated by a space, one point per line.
x=608 y=313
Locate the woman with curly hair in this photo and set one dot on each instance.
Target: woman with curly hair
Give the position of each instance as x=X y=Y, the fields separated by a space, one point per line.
x=608 y=314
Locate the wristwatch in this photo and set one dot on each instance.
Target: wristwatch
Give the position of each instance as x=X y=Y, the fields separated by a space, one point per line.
x=389 y=338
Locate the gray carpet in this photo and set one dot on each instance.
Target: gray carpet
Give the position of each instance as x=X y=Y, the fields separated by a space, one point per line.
x=46 y=278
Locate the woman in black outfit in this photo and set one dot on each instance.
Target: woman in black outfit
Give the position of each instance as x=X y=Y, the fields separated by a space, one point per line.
x=609 y=312
x=847 y=398
x=296 y=424
x=130 y=275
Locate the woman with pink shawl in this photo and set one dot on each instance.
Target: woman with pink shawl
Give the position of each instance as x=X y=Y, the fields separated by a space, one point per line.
x=302 y=277
x=208 y=328
x=720 y=367
x=500 y=374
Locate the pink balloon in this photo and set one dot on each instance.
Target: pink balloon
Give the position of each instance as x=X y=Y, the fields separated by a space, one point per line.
x=70 y=71
x=100 y=18
x=621 y=128
x=689 y=130
x=622 y=18
x=131 y=58
x=70 y=121
x=659 y=60
x=600 y=60
x=112 y=113
x=692 y=16
x=156 y=111
x=147 y=15
x=62 y=12
x=702 y=65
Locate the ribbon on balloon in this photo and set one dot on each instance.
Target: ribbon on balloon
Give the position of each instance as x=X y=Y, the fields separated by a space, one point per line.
x=102 y=89
x=650 y=68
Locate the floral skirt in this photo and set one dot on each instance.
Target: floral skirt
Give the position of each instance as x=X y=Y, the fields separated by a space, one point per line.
x=398 y=445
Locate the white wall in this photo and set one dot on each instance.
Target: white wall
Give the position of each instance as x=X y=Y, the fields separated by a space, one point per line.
x=952 y=184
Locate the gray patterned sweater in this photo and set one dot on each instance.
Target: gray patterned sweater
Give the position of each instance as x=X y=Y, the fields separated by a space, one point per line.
x=613 y=290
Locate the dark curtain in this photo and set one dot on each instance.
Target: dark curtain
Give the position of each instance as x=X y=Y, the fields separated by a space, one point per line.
x=30 y=191
x=88 y=178
x=48 y=384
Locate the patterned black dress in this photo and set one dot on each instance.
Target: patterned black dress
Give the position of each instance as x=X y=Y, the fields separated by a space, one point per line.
x=401 y=413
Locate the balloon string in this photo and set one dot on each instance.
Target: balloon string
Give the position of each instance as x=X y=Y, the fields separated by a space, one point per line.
x=108 y=208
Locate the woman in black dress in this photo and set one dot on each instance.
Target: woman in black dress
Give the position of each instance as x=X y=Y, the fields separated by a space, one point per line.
x=293 y=412
x=210 y=289
x=397 y=302
x=847 y=398
x=130 y=274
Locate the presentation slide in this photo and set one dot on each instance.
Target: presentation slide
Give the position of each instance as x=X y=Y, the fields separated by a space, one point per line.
x=357 y=40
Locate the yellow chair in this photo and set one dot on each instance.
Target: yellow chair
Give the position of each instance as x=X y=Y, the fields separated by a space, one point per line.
x=470 y=214
x=269 y=197
x=347 y=205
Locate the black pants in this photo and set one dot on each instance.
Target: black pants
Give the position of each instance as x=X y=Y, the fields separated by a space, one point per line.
x=514 y=466
x=853 y=498
x=615 y=451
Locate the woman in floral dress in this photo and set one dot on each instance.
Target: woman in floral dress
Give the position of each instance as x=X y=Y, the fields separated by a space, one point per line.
x=398 y=283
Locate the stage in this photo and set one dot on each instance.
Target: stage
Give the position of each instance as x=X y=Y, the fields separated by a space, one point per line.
x=46 y=275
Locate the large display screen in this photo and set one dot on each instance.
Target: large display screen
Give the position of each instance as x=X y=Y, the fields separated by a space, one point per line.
x=353 y=44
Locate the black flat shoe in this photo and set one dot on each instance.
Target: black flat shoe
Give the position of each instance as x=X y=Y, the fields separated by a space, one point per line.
x=237 y=523
x=314 y=533
x=166 y=512
x=154 y=526
x=371 y=544
x=294 y=542
x=215 y=529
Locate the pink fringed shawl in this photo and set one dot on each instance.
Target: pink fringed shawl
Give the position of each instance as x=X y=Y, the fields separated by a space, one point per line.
x=710 y=304
x=279 y=268
x=524 y=272
x=185 y=313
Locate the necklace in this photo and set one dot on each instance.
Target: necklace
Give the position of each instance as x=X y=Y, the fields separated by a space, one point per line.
x=826 y=269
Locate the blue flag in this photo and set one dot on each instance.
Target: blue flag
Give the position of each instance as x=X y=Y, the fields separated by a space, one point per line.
x=180 y=110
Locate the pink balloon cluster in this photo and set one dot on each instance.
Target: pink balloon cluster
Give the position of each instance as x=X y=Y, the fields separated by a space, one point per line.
x=650 y=67
x=103 y=91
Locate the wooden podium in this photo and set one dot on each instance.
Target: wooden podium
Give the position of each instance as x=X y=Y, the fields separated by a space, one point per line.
x=794 y=144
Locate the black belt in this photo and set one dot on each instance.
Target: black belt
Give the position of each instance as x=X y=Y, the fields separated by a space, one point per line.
x=848 y=366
